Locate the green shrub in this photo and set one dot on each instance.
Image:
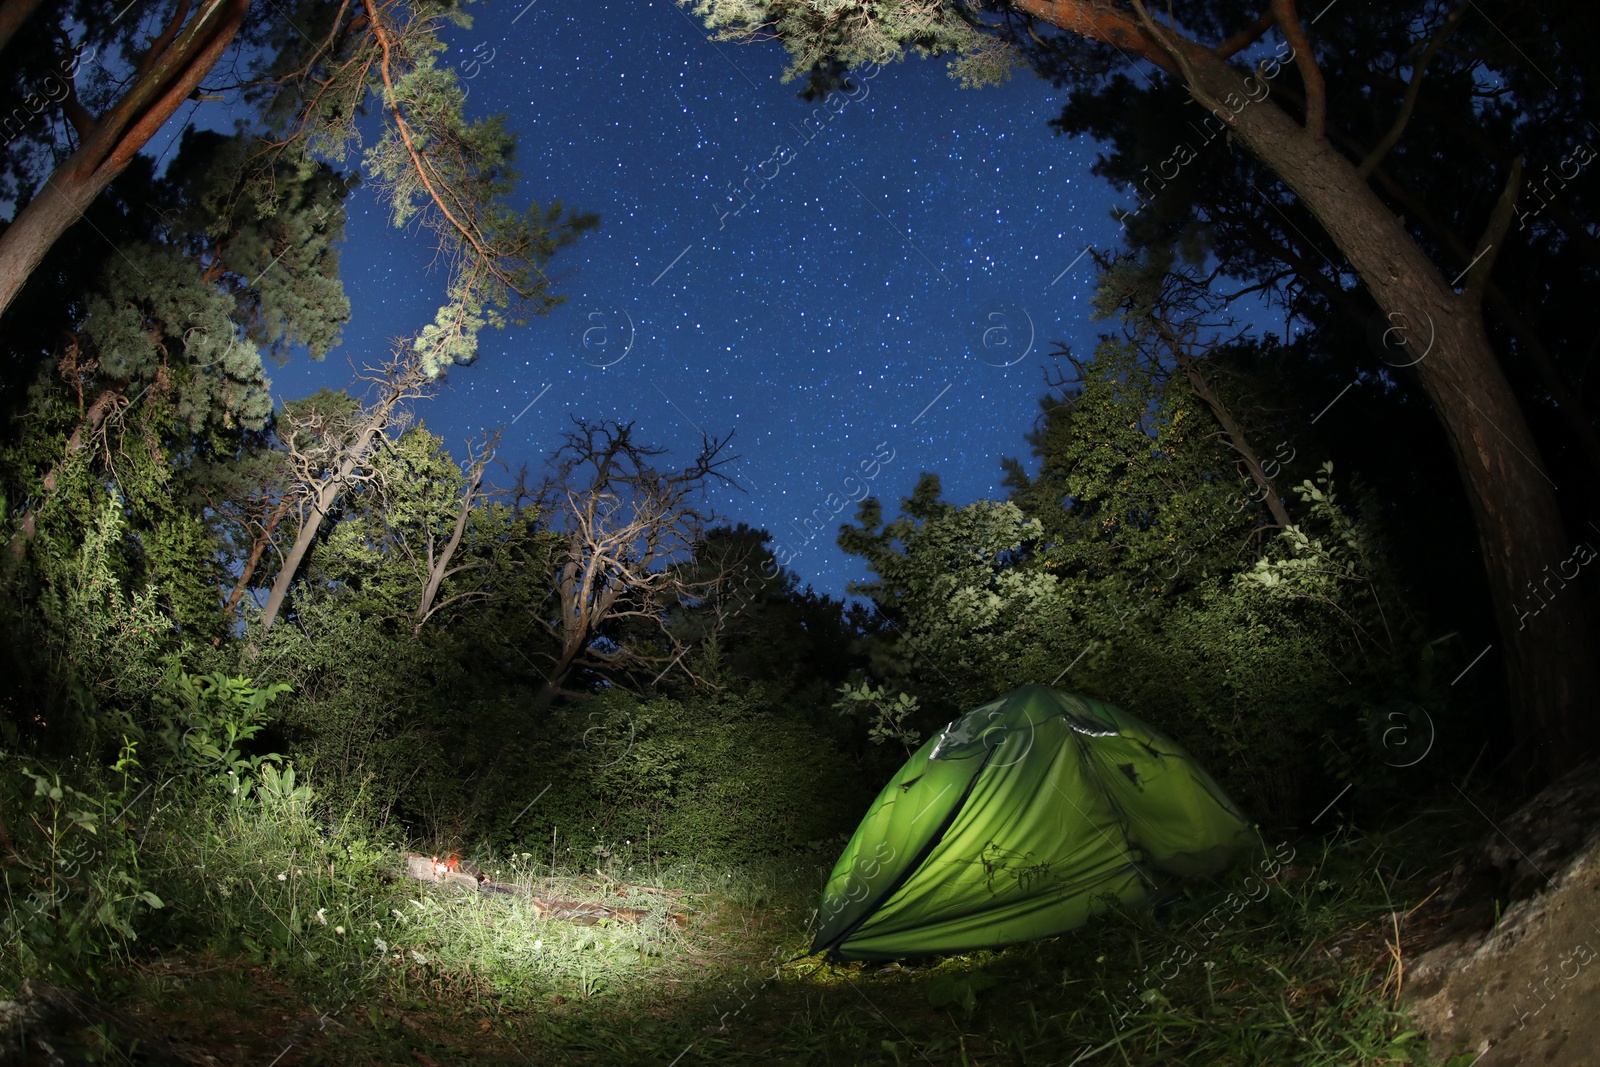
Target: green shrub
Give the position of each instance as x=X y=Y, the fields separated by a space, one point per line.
x=198 y=837
x=268 y=880
x=74 y=890
x=365 y=697
x=724 y=779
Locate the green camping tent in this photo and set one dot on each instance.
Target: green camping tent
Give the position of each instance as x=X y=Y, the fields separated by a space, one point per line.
x=1014 y=821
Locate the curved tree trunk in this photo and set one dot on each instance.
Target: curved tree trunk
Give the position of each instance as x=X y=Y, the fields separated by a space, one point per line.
x=13 y=13
x=403 y=380
x=167 y=75
x=323 y=498
x=1553 y=674
x=1551 y=667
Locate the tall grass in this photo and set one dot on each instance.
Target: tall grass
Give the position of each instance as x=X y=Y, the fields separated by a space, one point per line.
x=321 y=906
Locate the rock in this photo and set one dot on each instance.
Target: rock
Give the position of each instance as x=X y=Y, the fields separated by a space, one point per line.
x=1528 y=848
x=48 y=1025
x=31 y=1024
x=1522 y=990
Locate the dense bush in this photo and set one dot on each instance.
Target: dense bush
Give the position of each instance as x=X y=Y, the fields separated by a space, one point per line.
x=95 y=849
x=725 y=778
x=363 y=695
x=1131 y=567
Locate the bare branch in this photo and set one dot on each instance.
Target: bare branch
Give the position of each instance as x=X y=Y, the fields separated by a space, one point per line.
x=630 y=530
x=439 y=568
x=330 y=454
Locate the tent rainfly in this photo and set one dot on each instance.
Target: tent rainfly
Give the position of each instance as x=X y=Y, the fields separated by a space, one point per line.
x=1015 y=822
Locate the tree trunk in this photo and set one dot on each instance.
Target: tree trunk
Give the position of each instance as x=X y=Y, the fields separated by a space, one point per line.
x=326 y=495
x=1230 y=427
x=403 y=382
x=571 y=594
x=1568 y=403
x=258 y=548
x=1551 y=668
x=13 y=13
x=167 y=75
x=552 y=685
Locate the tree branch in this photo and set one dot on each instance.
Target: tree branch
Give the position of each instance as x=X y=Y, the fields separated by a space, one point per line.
x=423 y=173
x=621 y=517
x=1310 y=74
x=439 y=569
x=160 y=43
x=1493 y=235
x=192 y=60
x=1103 y=23
x=1413 y=90
x=1247 y=36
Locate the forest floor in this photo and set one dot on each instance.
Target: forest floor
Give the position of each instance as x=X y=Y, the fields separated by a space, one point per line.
x=1306 y=974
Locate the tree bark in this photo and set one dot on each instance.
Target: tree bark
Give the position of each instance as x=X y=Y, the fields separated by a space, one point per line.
x=167 y=75
x=1552 y=673
x=13 y=13
x=401 y=384
x=1551 y=668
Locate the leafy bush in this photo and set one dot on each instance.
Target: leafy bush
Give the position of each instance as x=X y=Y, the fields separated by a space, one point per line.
x=725 y=778
x=72 y=882
x=1127 y=569
x=366 y=697
x=207 y=719
x=101 y=856
x=80 y=636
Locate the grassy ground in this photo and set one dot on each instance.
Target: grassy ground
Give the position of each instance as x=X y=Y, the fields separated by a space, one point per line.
x=324 y=954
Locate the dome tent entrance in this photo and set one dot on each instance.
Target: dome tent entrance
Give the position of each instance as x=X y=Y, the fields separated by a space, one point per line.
x=1014 y=821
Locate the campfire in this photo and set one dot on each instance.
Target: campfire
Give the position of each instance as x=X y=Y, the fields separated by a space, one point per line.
x=453 y=870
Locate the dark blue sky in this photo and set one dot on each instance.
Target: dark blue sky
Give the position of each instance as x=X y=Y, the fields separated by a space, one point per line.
x=876 y=296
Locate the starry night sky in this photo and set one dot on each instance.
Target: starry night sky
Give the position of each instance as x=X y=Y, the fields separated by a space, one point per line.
x=892 y=291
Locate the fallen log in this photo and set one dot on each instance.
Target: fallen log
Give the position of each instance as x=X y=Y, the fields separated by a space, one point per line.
x=624 y=888
x=450 y=872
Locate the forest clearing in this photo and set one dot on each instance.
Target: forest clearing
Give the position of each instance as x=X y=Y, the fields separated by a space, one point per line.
x=960 y=532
